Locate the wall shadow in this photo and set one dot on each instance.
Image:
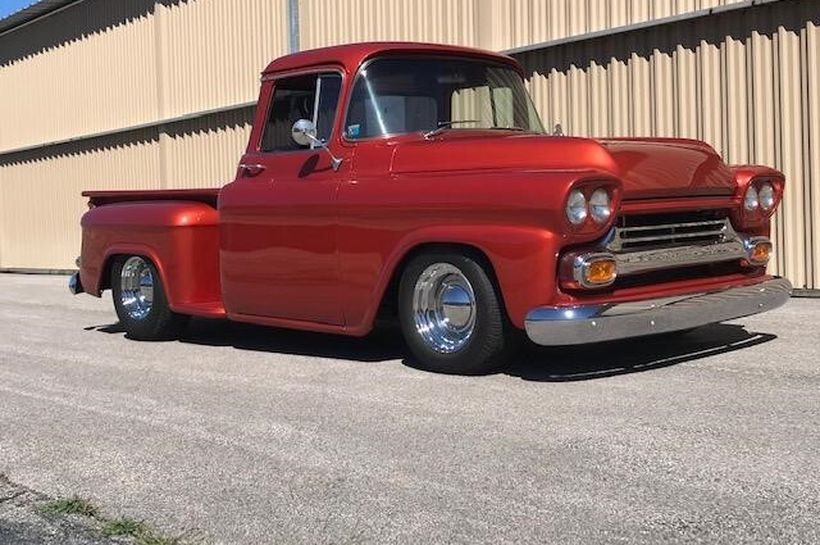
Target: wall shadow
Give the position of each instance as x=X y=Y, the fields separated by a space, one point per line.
x=211 y=123
x=74 y=23
x=533 y=363
x=762 y=20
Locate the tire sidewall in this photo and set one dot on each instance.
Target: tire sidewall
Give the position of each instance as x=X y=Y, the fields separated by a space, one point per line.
x=480 y=353
x=150 y=327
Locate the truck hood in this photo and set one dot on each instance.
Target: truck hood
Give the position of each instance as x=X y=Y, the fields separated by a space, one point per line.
x=648 y=168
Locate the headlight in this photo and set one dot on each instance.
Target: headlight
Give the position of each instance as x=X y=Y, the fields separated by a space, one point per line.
x=766 y=196
x=600 y=205
x=751 y=200
x=577 y=209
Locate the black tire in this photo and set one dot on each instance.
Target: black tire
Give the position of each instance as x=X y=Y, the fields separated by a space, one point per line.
x=160 y=323
x=493 y=340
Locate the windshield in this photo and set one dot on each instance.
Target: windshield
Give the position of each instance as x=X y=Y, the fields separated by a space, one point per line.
x=402 y=95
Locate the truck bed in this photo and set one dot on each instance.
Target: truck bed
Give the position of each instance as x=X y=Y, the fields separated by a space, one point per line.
x=207 y=196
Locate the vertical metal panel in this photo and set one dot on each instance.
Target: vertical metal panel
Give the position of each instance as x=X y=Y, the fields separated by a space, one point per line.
x=522 y=22
x=205 y=152
x=212 y=51
x=99 y=65
x=812 y=138
x=509 y=23
x=746 y=82
x=327 y=23
x=86 y=69
x=40 y=194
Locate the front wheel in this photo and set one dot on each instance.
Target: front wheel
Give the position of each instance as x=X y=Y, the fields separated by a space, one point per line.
x=451 y=315
x=140 y=301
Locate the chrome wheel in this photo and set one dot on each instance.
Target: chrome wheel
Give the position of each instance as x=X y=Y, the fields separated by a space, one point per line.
x=137 y=288
x=444 y=308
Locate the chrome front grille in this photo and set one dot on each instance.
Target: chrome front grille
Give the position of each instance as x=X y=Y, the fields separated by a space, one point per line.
x=670 y=234
x=648 y=243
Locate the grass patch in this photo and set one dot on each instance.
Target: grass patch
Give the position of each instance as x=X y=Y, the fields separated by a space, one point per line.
x=74 y=505
x=138 y=530
x=122 y=527
x=154 y=539
x=141 y=533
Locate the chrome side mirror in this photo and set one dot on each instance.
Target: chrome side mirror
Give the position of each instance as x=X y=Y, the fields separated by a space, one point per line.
x=304 y=134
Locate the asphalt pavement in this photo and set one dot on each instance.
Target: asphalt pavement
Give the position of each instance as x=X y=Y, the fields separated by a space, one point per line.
x=255 y=436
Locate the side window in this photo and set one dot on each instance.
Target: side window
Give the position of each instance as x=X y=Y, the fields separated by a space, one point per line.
x=313 y=97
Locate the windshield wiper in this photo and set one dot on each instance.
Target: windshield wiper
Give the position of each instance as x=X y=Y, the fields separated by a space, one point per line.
x=444 y=125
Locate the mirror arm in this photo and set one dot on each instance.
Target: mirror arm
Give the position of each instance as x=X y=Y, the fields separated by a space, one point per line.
x=335 y=162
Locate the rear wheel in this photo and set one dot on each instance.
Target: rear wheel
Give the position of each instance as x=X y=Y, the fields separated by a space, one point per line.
x=451 y=316
x=140 y=301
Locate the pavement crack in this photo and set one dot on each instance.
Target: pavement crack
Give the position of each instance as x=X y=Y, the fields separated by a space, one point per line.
x=10 y=497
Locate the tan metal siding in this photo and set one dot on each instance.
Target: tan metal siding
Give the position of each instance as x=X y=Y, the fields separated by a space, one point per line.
x=812 y=137
x=40 y=202
x=324 y=23
x=83 y=70
x=491 y=24
x=212 y=51
x=746 y=82
x=205 y=152
x=40 y=194
x=100 y=65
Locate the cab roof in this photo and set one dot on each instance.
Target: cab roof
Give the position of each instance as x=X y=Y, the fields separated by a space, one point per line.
x=351 y=56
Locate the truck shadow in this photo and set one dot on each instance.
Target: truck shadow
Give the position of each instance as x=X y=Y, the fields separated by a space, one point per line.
x=565 y=364
x=534 y=363
x=378 y=347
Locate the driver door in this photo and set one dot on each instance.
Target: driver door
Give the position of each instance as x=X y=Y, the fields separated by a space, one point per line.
x=278 y=243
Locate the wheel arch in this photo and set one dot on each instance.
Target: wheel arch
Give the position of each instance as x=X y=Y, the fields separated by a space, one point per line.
x=122 y=251
x=520 y=261
x=388 y=302
x=180 y=238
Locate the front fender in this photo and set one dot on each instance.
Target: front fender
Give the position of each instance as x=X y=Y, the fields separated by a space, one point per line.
x=523 y=261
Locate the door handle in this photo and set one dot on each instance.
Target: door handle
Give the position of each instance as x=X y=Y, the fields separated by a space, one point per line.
x=251 y=170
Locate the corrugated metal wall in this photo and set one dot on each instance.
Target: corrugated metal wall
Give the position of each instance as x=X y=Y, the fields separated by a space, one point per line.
x=745 y=81
x=69 y=74
x=40 y=192
x=490 y=24
x=212 y=51
x=101 y=66
x=205 y=152
x=327 y=23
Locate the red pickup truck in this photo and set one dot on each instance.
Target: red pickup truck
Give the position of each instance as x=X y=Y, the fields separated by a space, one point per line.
x=416 y=181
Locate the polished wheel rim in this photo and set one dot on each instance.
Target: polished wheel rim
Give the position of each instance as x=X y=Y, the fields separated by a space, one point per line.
x=444 y=308
x=137 y=288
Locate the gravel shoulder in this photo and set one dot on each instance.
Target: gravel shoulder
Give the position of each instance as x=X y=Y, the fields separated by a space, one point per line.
x=23 y=522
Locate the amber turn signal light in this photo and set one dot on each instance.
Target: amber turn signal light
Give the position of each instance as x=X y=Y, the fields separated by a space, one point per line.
x=758 y=250
x=761 y=251
x=600 y=272
x=588 y=270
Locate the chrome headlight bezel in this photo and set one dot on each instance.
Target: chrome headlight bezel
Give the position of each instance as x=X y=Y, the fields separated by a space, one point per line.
x=751 y=200
x=577 y=207
x=766 y=196
x=600 y=205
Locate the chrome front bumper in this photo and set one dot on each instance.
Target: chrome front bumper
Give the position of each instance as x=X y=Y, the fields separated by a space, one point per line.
x=554 y=326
